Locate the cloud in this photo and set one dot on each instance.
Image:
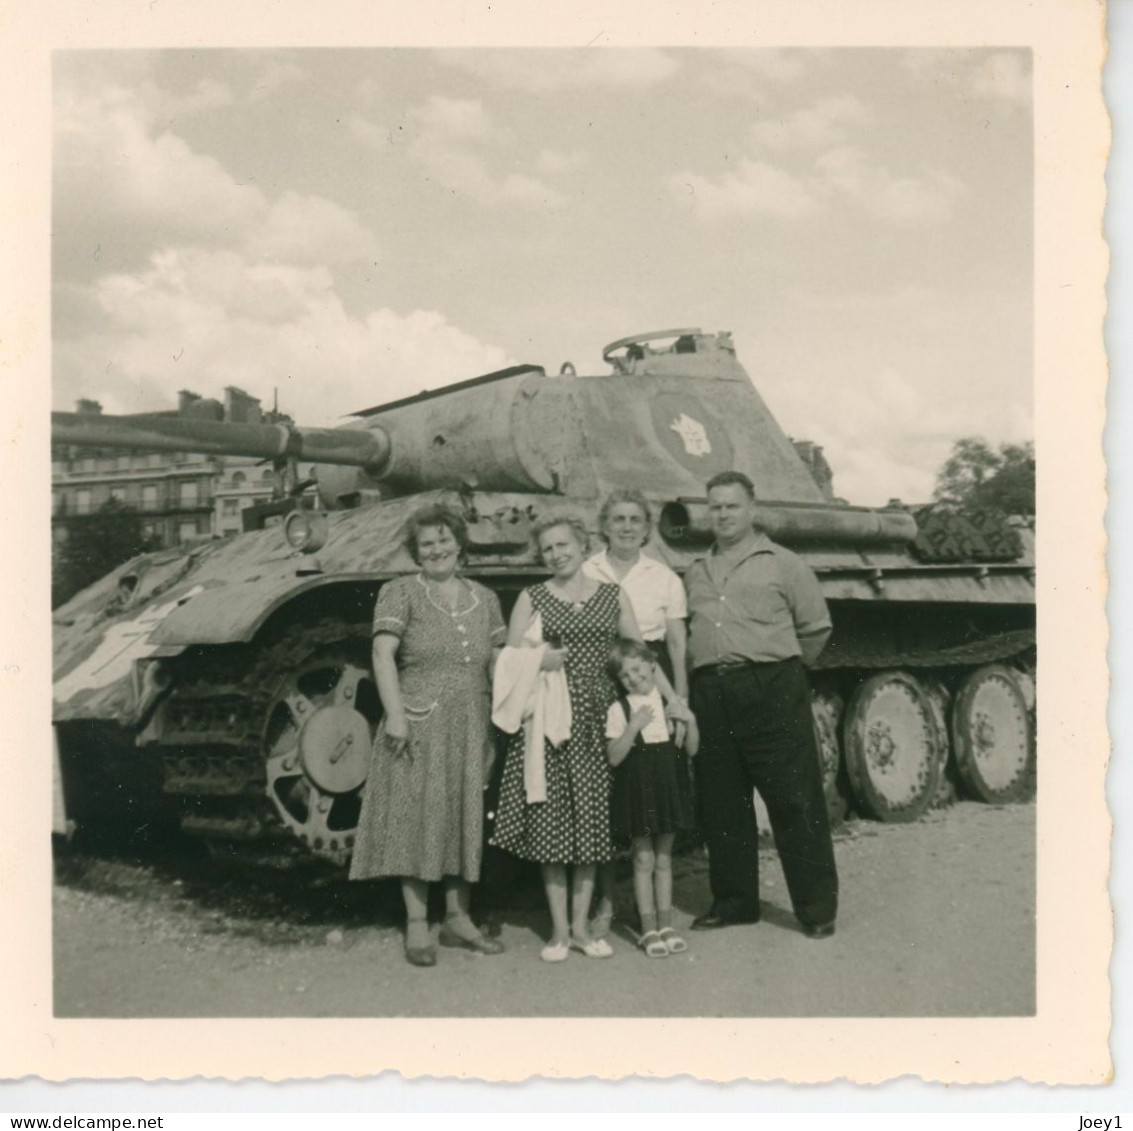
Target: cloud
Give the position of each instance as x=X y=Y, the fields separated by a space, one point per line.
x=371 y=133
x=552 y=161
x=812 y=127
x=119 y=174
x=1003 y=76
x=309 y=229
x=447 y=139
x=897 y=375
x=934 y=64
x=755 y=188
x=849 y=173
x=779 y=65
x=208 y=94
x=546 y=69
x=109 y=160
x=843 y=175
x=369 y=90
x=456 y=117
x=884 y=434
x=522 y=189
x=222 y=283
x=204 y=319
x=1006 y=75
x=276 y=73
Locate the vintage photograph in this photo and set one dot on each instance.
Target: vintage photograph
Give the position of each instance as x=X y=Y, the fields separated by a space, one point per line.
x=544 y=533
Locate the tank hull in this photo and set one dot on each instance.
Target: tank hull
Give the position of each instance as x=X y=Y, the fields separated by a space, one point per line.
x=197 y=657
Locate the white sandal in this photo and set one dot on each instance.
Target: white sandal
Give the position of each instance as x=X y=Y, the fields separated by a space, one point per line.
x=593 y=948
x=555 y=952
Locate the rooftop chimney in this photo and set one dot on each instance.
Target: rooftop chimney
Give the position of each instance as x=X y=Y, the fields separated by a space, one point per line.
x=240 y=407
x=185 y=398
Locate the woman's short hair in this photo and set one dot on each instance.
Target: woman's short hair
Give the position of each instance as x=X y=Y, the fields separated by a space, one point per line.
x=562 y=518
x=625 y=495
x=436 y=514
x=627 y=650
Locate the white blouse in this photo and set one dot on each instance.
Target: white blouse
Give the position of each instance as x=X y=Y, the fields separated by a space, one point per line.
x=654 y=590
x=656 y=730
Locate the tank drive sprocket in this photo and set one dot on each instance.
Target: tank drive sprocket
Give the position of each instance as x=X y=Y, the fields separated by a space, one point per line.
x=274 y=737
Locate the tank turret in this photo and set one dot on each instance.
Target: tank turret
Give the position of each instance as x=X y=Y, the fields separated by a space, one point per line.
x=198 y=659
x=665 y=421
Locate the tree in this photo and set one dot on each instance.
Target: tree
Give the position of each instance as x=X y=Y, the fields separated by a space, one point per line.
x=976 y=476
x=93 y=545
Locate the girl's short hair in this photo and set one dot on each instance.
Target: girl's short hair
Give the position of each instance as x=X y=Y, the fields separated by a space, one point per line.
x=562 y=518
x=436 y=514
x=627 y=650
x=625 y=495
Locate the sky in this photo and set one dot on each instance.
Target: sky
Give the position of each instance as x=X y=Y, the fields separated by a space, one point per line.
x=344 y=227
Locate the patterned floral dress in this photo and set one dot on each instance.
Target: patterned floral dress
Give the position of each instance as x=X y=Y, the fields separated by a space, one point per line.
x=573 y=825
x=422 y=812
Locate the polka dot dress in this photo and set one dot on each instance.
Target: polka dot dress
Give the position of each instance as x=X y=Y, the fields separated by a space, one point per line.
x=573 y=825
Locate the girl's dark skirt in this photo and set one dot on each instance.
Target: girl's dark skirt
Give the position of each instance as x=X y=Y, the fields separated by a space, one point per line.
x=652 y=793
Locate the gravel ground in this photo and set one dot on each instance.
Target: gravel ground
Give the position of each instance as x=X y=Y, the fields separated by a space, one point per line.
x=938 y=919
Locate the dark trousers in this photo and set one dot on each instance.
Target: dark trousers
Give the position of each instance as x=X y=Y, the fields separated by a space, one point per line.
x=756 y=732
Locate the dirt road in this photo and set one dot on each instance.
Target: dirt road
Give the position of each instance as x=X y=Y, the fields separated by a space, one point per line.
x=937 y=920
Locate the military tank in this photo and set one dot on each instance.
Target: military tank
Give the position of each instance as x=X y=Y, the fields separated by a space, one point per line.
x=233 y=676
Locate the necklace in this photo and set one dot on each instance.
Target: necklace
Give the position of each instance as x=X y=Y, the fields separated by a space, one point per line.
x=444 y=594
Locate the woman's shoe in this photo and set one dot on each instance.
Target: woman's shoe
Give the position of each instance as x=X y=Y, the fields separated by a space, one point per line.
x=674 y=944
x=653 y=945
x=421 y=955
x=592 y=948
x=418 y=952
x=555 y=952
x=480 y=944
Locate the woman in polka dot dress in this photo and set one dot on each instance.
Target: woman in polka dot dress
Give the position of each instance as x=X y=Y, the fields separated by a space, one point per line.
x=581 y=619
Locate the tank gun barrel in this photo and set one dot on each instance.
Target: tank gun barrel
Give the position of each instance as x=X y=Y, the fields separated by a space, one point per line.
x=352 y=447
x=685 y=522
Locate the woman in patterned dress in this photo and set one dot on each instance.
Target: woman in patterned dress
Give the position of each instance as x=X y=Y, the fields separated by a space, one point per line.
x=436 y=636
x=581 y=618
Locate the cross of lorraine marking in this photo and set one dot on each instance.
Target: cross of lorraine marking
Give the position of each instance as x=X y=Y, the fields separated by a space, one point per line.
x=693 y=434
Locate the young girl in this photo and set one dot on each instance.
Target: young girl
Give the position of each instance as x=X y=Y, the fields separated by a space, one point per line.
x=652 y=794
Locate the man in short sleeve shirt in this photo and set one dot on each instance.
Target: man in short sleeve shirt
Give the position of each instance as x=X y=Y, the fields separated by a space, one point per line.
x=757 y=616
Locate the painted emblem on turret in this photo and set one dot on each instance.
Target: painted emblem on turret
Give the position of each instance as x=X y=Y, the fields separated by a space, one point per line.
x=691 y=434
x=694 y=435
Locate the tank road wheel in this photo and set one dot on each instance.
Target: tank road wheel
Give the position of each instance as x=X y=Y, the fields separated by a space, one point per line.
x=992 y=735
x=316 y=749
x=895 y=747
x=826 y=709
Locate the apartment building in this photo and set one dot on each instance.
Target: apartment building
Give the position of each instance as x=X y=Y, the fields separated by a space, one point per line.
x=181 y=496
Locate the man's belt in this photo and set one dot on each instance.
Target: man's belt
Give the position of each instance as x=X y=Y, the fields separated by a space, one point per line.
x=728 y=667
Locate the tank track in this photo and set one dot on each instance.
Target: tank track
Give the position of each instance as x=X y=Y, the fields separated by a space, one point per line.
x=209 y=735
x=1001 y=646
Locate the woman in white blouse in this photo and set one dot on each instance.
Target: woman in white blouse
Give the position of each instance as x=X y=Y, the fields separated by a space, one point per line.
x=654 y=590
x=658 y=599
